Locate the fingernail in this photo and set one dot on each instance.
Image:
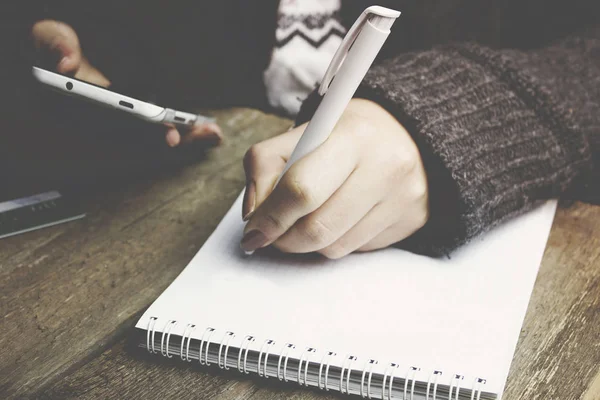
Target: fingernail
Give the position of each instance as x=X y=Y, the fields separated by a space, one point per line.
x=253 y=240
x=172 y=139
x=249 y=201
x=61 y=63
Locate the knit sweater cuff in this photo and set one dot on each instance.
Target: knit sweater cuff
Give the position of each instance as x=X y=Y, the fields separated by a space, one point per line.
x=492 y=143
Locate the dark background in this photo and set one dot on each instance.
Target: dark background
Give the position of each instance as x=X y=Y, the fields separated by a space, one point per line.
x=191 y=55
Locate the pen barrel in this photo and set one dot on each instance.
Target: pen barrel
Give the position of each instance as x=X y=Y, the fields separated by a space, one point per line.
x=359 y=59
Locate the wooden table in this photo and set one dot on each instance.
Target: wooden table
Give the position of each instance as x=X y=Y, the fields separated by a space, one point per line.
x=71 y=294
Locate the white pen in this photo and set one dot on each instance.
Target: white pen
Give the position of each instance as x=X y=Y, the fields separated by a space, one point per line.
x=346 y=71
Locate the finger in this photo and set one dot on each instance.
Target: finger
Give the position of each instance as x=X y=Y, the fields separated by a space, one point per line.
x=387 y=223
x=263 y=163
x=209 y=132
x=89 y=73
x=304 y=188
x=344 y=209
x=393 y=234
x=373 y=223
x=172 y=137
x=61 y=40
x=70 y=61
x=413 y=213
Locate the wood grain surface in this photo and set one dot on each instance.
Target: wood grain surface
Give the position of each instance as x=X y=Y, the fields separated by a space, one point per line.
x=71 y=294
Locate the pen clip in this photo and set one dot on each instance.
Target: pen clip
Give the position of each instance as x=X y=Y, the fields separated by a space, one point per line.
x=351 y=35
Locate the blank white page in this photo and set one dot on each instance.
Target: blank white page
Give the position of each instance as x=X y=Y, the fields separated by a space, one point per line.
x=460 y=315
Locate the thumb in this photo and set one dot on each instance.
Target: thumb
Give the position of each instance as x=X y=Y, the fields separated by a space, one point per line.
x=263 y=163
x=60 y=42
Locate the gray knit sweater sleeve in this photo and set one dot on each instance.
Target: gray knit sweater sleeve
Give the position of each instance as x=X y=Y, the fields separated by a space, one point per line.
x=498 y=130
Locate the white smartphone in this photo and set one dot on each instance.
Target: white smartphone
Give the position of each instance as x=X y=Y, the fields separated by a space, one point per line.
x=141 y=109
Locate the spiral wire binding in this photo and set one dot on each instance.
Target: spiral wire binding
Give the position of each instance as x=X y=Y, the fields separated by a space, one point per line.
x=392 y=367
x=287 y=348
x=369 y=364
x=435 y=375
x=187 y=332
x=268 y=344
x=410 y=375
x=248 y=339
x=303 y=364
x=267 y=357
x=151 y=321
x=209 y=331
x=328 y=356
x=164 y=349
x=228 y=336
x=457 y=378
x=347 y=365
x=307 y=352
x=477 y=386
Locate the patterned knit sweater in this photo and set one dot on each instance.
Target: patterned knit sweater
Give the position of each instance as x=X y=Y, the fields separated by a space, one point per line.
x=501 y=97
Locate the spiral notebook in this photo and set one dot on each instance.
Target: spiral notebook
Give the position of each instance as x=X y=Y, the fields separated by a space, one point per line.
x=383 y=325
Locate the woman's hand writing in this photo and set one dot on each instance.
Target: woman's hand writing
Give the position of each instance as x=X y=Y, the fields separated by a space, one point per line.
x=363 y=189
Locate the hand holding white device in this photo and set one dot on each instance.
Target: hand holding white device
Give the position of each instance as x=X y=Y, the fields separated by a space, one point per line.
x=141 y=109
x=345 y=73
